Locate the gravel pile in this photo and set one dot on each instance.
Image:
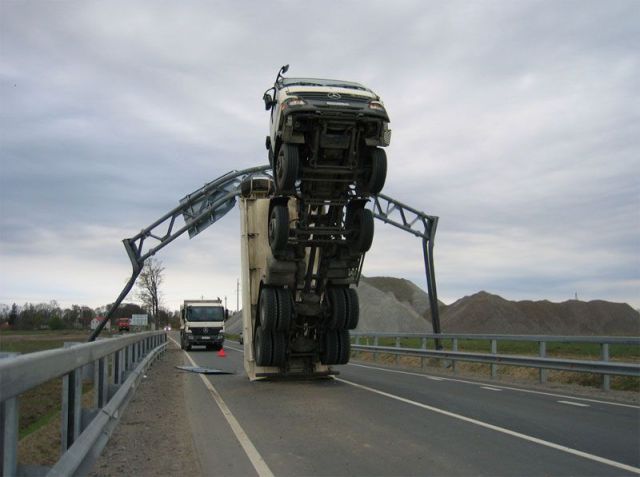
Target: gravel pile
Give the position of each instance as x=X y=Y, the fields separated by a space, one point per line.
x=487 y=313
x=389 y=304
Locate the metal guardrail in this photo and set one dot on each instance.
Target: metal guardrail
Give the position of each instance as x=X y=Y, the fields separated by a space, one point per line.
x=114 y=365
x=544 y=363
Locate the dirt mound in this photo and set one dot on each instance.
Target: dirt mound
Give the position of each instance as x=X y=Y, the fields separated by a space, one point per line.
x=233 y=326
x=404 y=291
x=487 y=313
x=381 y=311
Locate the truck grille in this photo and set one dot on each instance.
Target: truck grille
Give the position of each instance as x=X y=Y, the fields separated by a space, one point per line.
x=205 y=331
x=352 y=98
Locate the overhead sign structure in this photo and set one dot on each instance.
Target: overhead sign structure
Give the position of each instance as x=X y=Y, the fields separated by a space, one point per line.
x=139 y=320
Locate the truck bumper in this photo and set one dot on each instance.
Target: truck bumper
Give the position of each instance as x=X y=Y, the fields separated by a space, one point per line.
x=205 y=340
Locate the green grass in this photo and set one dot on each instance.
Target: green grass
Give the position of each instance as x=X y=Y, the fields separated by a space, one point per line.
x=39 y=405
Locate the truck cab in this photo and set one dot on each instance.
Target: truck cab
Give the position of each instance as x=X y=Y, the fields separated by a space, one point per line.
x=328 y=134
x=202 y=324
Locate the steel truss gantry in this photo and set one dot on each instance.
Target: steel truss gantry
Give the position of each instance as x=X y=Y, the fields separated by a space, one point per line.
x=211 y=202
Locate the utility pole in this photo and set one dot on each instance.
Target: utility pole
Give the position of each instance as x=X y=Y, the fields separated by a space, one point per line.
x=237 y=294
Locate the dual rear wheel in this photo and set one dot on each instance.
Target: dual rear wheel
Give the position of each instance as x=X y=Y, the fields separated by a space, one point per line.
x=275 y=310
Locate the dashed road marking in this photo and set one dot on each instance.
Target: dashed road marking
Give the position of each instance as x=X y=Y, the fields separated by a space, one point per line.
x=254 y=456
x=488 y=388
x=530 y=391
x=568 y=450
x=578 y=404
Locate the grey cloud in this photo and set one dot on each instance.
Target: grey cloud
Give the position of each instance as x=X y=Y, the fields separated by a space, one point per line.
x=516 y=122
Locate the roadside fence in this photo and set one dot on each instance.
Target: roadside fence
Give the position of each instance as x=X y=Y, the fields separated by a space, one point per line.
x=113 y=365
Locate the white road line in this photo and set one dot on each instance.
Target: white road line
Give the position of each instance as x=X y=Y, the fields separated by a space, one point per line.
x=486 y=425
x=530 y=391
x=234 y=349
x=252 y=453
x=579 y=404
x=433 y=378
x=490 y=388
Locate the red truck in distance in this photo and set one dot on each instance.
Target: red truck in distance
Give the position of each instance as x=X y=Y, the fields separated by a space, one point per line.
x=123 y=324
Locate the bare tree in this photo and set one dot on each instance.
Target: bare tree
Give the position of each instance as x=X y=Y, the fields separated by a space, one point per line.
x=148 y=286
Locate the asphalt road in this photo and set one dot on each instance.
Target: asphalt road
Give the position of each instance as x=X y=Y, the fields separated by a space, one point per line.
x=374 y=421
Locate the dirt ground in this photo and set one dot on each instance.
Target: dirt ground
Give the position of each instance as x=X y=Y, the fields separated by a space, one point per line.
x=153 y=437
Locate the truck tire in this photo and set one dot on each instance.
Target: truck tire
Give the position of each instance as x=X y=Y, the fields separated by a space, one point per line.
x=353 y=308
x=361 y=221
x=375 y=175
x=268 y=308
x=331 y=349
x=279 y=348
x=286 y=169
x=337 y=304
x=278 y=229
x=344 y=341
x=285 y=309
x=182 y=346
x=263 y=347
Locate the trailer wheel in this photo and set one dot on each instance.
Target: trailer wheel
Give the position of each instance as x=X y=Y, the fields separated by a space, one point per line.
x=285 y=309
x=361 y=221
x=337 y=303
x=279 y=349
x=345 y=347
x=268 y=308
x=278 y=229
x=375 y=176
x=286 y=169
x=331 y=350
x=263 y=347
x=353 y=308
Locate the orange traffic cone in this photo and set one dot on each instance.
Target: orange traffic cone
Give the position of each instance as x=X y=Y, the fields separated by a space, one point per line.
x=221 y=353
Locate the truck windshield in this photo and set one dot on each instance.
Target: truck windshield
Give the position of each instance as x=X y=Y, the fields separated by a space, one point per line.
x=205 y=313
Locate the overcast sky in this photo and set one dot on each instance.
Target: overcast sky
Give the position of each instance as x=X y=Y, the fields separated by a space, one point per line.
x=517 y=123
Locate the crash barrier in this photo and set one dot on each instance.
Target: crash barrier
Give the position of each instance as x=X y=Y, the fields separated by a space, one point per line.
x=402 y=345
x=113 y=365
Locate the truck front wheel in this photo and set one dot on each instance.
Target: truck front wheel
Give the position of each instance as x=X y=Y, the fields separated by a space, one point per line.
x=287 y=166
x=372 y=181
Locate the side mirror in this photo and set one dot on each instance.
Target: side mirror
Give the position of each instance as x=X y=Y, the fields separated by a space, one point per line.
x=268 y=101
x=226 y=315
x=284 y=69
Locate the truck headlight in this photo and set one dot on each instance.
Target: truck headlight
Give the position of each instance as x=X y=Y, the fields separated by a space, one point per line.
x=293 y=101
x=376 y=105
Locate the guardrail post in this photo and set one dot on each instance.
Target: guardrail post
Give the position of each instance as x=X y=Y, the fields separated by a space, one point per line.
x=100 y=383
x=454 y=347
x=423 y=345
x=397 y=346
x=9 y=436
x=375 y=343
x=494 y=350
x=606 y=378
x=543 y=354
x=71 y=408
x=115 y=367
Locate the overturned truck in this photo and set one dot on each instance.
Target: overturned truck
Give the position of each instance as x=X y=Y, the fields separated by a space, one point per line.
x=305 y=233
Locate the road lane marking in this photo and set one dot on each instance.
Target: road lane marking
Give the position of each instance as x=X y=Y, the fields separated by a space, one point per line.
x=579 y=404
x=234 y=349
x=254 y=456
x=530 y=391
x=490 y=388
x=433 y=378
x=568 y=450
